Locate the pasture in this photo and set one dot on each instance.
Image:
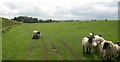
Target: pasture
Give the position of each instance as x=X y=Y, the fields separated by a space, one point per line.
x=17 y=43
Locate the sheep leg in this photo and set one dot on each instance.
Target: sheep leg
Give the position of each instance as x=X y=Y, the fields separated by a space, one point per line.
x=83 y=49
x=101 y=55
x=87 y=50
x=119 y=55
x=108 y=58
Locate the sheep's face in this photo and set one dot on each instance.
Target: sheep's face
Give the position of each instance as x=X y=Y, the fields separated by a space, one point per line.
x=106 y=45
x=38 y=32
x=94 y=44
x=92 y=35
x=118 y=43
x=90 y=39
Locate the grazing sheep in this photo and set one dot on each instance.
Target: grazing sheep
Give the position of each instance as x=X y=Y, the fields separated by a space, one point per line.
x=87 y=44
x=36 y=35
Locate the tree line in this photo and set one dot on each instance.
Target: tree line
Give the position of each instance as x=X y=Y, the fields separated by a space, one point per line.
x=26 y=19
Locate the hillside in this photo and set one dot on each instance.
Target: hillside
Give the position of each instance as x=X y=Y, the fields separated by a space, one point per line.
x=7 y=24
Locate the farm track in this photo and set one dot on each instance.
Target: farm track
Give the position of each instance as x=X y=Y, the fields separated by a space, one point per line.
x=73 y=53
x=45 y=47
x=29 y=55
x=54 y=47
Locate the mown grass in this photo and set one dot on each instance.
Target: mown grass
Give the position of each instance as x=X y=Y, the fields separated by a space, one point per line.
x=17 y=41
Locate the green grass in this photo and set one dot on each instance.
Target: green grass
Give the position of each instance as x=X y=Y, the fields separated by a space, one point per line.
x=6 y=24
x=17 y=41
x=0 y=40
x=0 y=49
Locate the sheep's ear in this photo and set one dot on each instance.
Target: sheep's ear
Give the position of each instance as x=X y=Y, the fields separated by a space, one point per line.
x=88 y=37
x=100 y=35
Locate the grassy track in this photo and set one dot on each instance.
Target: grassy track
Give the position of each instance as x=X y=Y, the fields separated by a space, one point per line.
x=64 y=36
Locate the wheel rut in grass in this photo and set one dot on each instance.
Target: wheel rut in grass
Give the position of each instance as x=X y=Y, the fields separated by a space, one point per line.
x=73 y=53
x=29 y=54
x=45 y=48
x=54 y=48
x=31 y=48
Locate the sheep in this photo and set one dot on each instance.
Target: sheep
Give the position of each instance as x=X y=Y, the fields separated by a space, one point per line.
x=93 y=41
x=87 y=44
x=98 y=39
x=108 y=50
x=118 y=42
x=95 y=47
x=117 y=45
x=36 y=34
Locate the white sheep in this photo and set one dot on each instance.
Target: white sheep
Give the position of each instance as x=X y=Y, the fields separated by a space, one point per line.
x=117 y=45
x=108 y=50
x=87 y=44
x=97 y=41
x=36 y=34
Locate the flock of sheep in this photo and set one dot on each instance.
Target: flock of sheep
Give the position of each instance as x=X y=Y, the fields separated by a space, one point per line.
x=107 y=49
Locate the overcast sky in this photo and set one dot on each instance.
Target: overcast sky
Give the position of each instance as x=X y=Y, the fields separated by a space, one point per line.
x=60 y=9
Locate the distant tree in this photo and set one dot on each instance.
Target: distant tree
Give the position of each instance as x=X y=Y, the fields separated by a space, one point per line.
x=26 y=19
x=105 y=19
x=92 y=20
x=40 y=21
x=49 y=20
x=95 y=19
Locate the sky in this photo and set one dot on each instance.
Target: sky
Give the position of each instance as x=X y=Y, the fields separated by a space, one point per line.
x=60 y=9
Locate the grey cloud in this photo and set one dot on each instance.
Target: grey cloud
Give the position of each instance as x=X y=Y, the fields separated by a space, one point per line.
x=32 y=12
x=12 y=5
x=62 y=11
x=88 y=11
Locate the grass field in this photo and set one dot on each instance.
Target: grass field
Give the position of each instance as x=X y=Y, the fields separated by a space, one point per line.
x=0 y=41
x=64 y=36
